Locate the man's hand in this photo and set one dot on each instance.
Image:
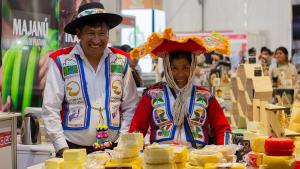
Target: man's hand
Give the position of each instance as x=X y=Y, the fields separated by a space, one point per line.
x=61 y=151
x=7 y=106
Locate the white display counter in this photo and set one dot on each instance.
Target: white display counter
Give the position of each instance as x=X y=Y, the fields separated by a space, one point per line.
x=29 y=155
x=8 y=140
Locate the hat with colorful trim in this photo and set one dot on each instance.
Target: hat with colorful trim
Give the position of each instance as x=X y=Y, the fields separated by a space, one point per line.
x=159 y=44
x=91 y=12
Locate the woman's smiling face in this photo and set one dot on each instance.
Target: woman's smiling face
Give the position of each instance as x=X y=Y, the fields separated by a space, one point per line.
x=180 y=68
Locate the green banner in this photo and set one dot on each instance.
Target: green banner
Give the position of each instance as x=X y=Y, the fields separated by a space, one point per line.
x=29 y=33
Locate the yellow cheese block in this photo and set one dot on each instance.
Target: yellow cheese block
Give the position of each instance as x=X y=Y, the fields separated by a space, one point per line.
x=131 y=140
x=190 y=166
x=160 y=166
x=158 y=154
x=53 y=163
x=72 y=165
x=75 y=155
x=258 y=144
x=122 y=152
x=278 y=162
x=224 y=165
x=180 y=154
x=125 y=165
x=201 y=157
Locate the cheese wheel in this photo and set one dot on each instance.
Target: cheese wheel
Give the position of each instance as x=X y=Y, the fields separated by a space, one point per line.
x=201 y=157
x=279 y=146
x=224 y=165
x=160 y=166
x=190 y=166
x=278 y=162
x=74 y=155
x=180 y=154
x=297 y=164
x=120 y=152
x=53 y=163
x=131 y=140
x=258 y=144
x=72 y=165
x=158 y=154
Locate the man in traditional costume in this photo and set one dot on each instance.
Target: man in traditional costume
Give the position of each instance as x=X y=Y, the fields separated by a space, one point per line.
x=90 y=95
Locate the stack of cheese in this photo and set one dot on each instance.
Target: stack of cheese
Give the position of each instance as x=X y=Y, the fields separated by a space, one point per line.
x=198 y=158
x=74 y=159
x=279 y=153
x=159 y=156
x=126 y=154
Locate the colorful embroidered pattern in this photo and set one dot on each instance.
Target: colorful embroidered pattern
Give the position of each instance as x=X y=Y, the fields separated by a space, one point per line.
x=68 y=70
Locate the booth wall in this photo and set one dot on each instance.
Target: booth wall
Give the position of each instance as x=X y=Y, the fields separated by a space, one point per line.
x=267 y=22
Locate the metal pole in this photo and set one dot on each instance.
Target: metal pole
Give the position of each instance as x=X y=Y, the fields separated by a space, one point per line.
x=203 y=17
x=202 y=3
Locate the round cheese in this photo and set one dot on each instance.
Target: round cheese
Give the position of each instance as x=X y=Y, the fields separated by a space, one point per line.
x=279 y=147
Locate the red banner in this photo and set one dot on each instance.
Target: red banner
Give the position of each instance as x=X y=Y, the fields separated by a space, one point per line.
x=5 y=139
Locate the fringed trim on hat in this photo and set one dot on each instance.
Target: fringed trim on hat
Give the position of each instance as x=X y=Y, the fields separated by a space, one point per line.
x=214 y=42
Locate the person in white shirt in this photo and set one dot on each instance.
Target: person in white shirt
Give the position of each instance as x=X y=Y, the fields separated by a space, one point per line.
x=90 y=95
x=283 y=73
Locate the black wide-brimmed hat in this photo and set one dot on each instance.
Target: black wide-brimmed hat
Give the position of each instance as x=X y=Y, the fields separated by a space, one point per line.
x=91 y=12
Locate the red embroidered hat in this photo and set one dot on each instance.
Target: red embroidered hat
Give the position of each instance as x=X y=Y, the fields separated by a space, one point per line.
x=157 y=44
